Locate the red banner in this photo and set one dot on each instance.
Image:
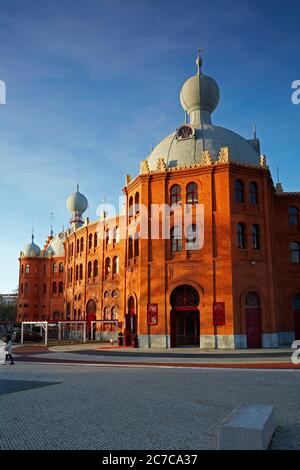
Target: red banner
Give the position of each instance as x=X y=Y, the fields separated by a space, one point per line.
x=219 y=313
x=152 y=314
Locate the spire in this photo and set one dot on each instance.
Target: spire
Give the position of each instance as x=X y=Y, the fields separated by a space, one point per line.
x=32 y=237
x=51 y=224
x=254 y=132
x=77 y=188
x=199 y=61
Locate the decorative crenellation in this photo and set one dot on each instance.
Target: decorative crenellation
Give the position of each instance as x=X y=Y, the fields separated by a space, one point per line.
x=144 y=167
x=263 y=161
x=206 y=158
x=279 y=188
x=161 y=165
x=128 y=179
x=224 y=156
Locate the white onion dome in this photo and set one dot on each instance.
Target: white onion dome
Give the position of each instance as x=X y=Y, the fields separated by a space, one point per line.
x=31 y=250
x=199 y=97
x=199 y=92
x=56 y=246
x=77 y=202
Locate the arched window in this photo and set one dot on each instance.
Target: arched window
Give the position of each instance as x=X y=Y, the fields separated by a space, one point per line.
x=130 y=247
x=115 y=293
x=176 y=239
x=22 y=288
x=107 y=237
x=77 y=272
x=61 y=267
x=116 y=265
x=71 y=275
x=106 y=313
x=253 y=194
x=295 y=252
x=81 y=244
x=22 y=269
x=36 y=289
x=117 y=235
x=81 y=272
x=77 y=246
x=137 y=203
x=107 y=266
x=240 y=236
x=61 y=287
x=54 y=288
x=27 y=269
x=175 y=195
x=75 y=298
x=293 y=216
x=114 y=313
x=89 y=269
x=192 y=240
x=239 y=191
x=192 y=193
x=95 y=240
x=296 y=302
x=79 y=314
x=106 y=294
x=252 y=300
x=72 y=249
x=130 y=209
x=26 y=289
x=45 y=288
x=90 y=241
x=255 y=236
x=75 y=314
x=55 y=268
x=95 y=268
x=136 y=245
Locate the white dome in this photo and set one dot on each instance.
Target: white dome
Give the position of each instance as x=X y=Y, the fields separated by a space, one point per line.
x=199 y=97
x=77 y=202
x=200 y=91
x=180 y=152
x=31 y=250
x=56 y=246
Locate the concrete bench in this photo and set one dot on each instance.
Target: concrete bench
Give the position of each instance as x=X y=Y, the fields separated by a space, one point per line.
x=248 y=427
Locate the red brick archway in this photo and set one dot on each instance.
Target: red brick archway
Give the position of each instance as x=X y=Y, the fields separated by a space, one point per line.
x=253 y=321
x=185 y=316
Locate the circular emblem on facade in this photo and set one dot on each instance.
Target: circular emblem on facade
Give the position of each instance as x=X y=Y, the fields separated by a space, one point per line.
x=185 y=132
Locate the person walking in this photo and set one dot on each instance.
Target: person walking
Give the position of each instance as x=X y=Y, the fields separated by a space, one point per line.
x=9 y=350
x=3 y=346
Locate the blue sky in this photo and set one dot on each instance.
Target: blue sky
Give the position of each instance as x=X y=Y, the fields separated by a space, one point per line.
x=92 y=83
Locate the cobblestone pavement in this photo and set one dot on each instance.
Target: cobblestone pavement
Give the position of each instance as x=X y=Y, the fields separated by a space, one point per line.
x=90 y=407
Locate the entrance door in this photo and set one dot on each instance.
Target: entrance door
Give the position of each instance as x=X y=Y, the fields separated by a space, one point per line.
x=297 y=324
x=187 y=328
x=253 y=327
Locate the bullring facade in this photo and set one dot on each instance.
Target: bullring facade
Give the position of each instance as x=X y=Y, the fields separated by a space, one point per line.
x=239 y=289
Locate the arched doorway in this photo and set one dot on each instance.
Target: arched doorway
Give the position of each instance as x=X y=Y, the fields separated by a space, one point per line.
x=91 y=308
x=68 y=313
x=56 y=316
x=296 y=308
x=253 y=320
x=185 y=317
x=130 y=322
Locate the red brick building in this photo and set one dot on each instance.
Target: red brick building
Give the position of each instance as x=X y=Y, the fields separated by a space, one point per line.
x=238 y=288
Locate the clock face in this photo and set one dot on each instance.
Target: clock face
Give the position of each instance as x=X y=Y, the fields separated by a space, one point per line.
x=186 y=131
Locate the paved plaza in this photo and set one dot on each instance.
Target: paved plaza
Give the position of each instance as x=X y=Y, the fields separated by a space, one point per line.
x=44 y=406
